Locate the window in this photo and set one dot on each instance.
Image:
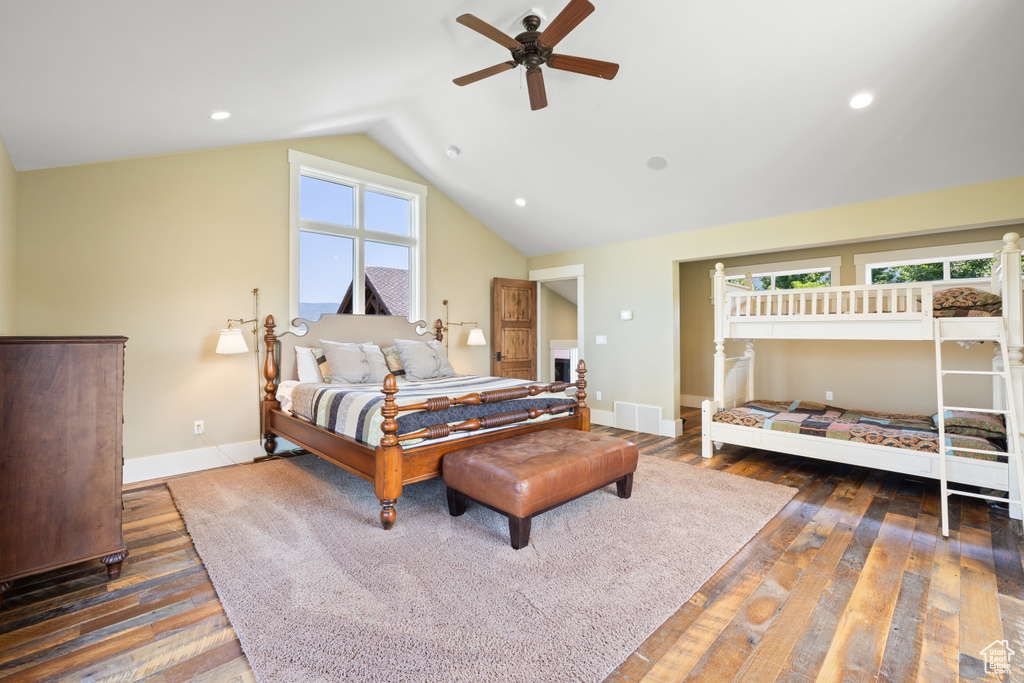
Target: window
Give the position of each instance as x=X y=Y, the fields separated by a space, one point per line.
x=786 y=275
x=357 y=241
x=961 y=263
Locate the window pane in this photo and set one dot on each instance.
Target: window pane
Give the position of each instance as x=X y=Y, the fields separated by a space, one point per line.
x=803 y=280
x=325 y=273
x=981 y=267
x=387 y=279
x=919 y=272
x=386 y=213
x=320 y=200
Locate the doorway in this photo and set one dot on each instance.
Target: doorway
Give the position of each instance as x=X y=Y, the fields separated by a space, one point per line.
x=559 y=321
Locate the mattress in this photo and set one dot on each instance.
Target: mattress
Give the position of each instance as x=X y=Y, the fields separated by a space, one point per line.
x=912 y=432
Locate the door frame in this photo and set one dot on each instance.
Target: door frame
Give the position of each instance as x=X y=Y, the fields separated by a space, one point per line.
x=573 y=272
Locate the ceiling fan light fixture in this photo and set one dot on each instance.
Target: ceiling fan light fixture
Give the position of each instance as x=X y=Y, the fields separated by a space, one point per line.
x=861 y=100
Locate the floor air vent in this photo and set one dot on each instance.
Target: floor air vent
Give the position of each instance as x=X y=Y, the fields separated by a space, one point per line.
x=637 y=418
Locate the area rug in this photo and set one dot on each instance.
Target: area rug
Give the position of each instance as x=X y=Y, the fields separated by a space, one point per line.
x=317 y=591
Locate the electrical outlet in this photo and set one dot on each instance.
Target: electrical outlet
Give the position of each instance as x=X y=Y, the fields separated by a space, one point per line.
x=828 y=395
x=599 y=396
x=197 y=427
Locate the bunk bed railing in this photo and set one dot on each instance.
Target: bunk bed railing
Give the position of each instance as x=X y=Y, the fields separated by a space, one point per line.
x=903 y=301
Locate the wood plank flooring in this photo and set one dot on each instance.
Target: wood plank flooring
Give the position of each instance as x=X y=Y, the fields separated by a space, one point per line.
x=852 y=581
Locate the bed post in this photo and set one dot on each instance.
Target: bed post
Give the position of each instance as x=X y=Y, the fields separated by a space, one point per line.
x=709 y=408
x=439 y=330
x=1013 y=315
x=387 y=480
x=582 y=410
x=270 y=371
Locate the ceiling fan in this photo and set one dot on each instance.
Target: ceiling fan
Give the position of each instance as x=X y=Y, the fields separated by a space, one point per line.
x=532 y=48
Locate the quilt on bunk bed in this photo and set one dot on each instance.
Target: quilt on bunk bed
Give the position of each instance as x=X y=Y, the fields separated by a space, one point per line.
x=964 y=429
x=354 y=409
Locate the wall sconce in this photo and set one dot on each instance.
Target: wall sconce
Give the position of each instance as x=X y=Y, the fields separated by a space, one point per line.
x=476 y=335
x=231 y=340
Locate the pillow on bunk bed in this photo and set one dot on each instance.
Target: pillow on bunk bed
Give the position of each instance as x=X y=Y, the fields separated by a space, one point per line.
x=978 y=443
x=424 y=359
x=394 y=361
x=966 y=302
x=354 y=363
x=971 y=423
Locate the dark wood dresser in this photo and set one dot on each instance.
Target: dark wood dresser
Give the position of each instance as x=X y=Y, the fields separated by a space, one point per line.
x=61 y=414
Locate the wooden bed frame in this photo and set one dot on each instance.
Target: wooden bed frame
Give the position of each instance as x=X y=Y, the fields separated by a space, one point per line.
x=887 y=312
x=389 y=465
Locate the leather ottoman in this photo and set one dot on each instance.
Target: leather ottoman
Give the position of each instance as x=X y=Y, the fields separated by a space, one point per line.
x=526 y=475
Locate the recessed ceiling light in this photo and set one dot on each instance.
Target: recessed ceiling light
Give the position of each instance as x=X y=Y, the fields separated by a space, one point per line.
x=862 y=100
x=220 y=115
x=657 y=163
x=453 y=151
x=520 y=202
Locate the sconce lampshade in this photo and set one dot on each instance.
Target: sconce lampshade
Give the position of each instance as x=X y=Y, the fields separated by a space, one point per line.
x=476 y=337
x=231 y=341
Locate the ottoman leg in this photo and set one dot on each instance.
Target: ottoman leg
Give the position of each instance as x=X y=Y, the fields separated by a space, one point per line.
x=456 y=502
x=519 y=531
x=624 y=486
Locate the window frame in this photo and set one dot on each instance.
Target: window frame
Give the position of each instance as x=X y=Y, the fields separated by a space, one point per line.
x=944 y=254
x=830 y=263
x=361 y=180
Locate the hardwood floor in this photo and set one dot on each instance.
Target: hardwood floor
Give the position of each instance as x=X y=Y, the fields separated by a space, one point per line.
x=852 y=581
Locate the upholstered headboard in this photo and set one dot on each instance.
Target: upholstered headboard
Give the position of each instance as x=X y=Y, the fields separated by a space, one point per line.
x=382 y=330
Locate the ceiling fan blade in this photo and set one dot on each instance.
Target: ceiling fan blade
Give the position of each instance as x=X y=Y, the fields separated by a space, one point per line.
x=582 y=65
x=483 y=73
x=535 y=86
x=568 y=19
x=488 y=31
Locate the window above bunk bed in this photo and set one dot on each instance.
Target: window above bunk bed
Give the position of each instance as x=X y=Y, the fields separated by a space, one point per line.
x=821 y=272
x=960 y=264
x=357 y=241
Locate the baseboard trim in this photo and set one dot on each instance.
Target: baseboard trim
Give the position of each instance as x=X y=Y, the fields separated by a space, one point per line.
x=184 y=462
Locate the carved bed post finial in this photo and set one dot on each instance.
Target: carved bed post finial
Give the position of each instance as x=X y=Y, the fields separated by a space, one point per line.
x=582 y=410
x=270 y=388
x=388 y=467
x=438 y=330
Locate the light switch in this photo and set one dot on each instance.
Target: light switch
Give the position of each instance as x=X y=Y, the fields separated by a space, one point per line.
x=625 y=315
x=601 y=339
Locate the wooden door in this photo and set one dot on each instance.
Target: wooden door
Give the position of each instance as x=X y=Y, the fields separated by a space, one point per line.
x=514 y=329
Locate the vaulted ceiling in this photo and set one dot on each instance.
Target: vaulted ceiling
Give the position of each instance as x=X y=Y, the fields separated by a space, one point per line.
x=747 y=100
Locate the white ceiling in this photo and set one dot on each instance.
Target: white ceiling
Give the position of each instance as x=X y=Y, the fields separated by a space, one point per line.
x=746 y=99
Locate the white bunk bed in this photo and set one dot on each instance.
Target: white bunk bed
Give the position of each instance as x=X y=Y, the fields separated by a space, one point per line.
x=865 y=312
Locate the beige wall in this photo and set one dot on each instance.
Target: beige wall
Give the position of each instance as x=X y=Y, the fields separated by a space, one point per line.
x=889 y=376
x=641 y=362
x=164 y=249
x=558 y=321
x=8 y=219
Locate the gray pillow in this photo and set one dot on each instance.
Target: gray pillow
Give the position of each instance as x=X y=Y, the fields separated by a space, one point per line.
x=424 y=359
x=354 y=363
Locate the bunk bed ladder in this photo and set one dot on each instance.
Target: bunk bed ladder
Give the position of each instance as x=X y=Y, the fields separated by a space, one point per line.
x=1013 y=440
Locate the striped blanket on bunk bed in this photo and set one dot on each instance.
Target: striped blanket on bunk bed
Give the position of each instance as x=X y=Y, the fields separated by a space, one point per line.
x=964 y=429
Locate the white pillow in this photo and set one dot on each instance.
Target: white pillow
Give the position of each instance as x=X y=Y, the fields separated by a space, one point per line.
x=355 y=363
x=306 y=364
x=424 y=359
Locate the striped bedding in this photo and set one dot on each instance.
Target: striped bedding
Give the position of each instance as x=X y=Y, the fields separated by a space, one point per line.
x=913 y=432
x=354 y=409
